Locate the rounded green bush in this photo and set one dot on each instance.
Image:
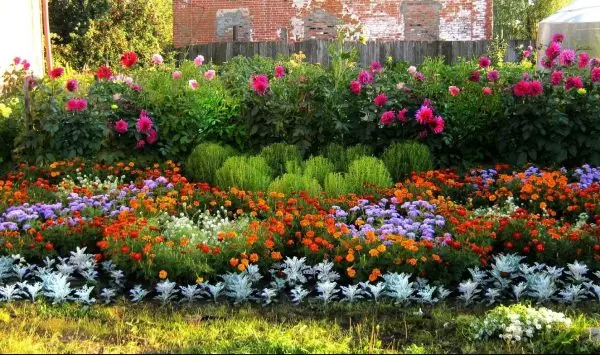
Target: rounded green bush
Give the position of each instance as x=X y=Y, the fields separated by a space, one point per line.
x=366 y=172
x=293 y=167
x=278 y=154
x=318 y=167
x=336 y=153
x=401 y=159
x=293 y=183
x=336 y=184
x=358 y=151
x=205 y=159
x=246 y=173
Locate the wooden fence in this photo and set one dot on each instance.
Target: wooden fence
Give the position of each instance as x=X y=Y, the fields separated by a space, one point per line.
x=316 y=51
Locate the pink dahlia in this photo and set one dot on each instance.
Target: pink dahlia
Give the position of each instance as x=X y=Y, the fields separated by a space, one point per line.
x=487 y=91
x=76 y=104
x=547 y=63
x=425 y=115
x=521 y=88
x=454 y=91
x=152 y=136
x=279 y=71
x=419 y=76
x=553 y=50
x=556 y=77
x=260 y=84
x=493 y=75
x=376 y=67
x=355 y=87
x=567 y=57
x=199 y=60
x=573 y=82
x=380 y=100
x=412 y=70
x=176 y=74
x=157 y=59
x=558 y=37
x=583 y=60
x=365 y=78
x=210 y=74
x=17 y=60
x=121 y=126
x=144 y=123
x=535 y=88
x=56 y=73
x=595 y=75
x=402 y=117
x=140 y=144
x=72 y=85
x=387 y=118
x=193 y=84
x=484 y=62
x=26 y=64
x=438 y=125
x=475 y=76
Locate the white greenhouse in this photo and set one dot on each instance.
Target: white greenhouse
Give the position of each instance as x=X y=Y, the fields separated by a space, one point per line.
x=579 y=22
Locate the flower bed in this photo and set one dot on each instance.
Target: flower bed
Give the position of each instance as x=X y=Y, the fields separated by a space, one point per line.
x=487 y=235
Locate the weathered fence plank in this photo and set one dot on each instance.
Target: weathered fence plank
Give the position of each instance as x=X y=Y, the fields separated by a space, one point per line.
x=317 y=51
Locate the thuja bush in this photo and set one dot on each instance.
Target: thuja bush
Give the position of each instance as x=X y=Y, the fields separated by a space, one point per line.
x=278 y=154
x=294 y=184
x=403 y=158
x=247 y=173
x=336 y=184
x=336 y=153
x=205 y=160
x=367 y=172
x=318 y=168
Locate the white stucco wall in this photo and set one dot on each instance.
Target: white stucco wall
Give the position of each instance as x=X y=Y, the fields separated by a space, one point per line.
x=21 y=33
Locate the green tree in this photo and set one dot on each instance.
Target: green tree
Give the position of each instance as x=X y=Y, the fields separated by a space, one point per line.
x=143 y=26
x=519 y=19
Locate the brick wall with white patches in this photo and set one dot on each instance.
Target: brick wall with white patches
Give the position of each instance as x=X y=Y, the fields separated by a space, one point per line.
x=207 y=21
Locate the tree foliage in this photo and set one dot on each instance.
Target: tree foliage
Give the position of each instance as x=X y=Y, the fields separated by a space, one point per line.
x=519 y=19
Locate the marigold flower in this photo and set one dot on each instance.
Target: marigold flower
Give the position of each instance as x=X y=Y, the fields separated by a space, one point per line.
x=162 y=274
x=351 y=272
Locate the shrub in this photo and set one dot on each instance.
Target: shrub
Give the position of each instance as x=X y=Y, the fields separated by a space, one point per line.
x=336 y=153
x=205 y=159
x=318 y=167
x=336 y=184
x=293 y=183
x=293 y=167
x=368 y=171
x=8 y=132
x=357 y=151
x=403 y=158
x=247 y=173
x=278 y=154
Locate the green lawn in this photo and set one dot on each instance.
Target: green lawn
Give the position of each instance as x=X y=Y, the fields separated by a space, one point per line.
x=208 y=328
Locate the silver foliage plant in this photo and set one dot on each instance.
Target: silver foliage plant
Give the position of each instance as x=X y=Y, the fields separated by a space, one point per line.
x=79 y=278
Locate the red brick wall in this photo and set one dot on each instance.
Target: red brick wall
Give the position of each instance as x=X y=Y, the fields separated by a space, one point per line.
x=206 y=21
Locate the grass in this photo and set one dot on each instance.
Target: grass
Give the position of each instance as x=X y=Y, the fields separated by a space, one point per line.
x=221 y=328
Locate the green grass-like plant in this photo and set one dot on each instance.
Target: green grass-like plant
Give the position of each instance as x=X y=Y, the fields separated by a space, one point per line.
x=367 y=172
x=276 y=155
x=336 y=184
x=293 y=183
x=205 y=160
x=318 y=167
x=403 y=158
x=247 y=173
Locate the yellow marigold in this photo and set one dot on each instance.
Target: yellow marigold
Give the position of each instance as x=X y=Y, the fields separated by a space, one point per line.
x=241 y=267
x=381 y=248
x=162 y=274
x=374 y=252
x=411 y=261
x=199 y=280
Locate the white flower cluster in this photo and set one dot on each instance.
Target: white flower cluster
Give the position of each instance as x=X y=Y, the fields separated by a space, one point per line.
x=500 y=210
x=519 y=323
x=90 y=182
x=203 y=226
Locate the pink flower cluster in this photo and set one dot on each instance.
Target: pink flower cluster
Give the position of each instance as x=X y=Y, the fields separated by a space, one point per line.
x=388 y=117
x=260 y=84
x=279 y=71
x=76 y=104
x=144 y=126
x=528 y=88
x=365 y=77
x=426 y=117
